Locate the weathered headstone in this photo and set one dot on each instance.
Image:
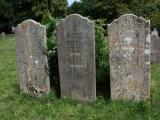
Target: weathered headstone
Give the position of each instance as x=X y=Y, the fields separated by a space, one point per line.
x=76 y=54
x=129 y=51
x=32 y=62
x=155 y=47
x=3 y=35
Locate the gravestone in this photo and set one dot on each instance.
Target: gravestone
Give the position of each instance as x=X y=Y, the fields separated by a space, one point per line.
x=76 y=54
x=32 y=62
x=129 y=52
x=3 y=35
x=155 y=47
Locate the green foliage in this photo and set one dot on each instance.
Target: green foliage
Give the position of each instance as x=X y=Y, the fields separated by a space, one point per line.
x=107 y=9
x=21 y=10
x=102 y=61
x=76 y=7
x=112 y=9
x=51 y=23
x=57 y=8
x=6 y=14
x=13 y=12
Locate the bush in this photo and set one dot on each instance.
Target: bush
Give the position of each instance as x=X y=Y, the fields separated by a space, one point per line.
x=102 y=61
x=51 y=50
x=102 y=66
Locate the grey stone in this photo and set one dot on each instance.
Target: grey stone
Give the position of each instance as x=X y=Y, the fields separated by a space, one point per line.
x=12 y=29
x=3 y=35
x=155 y=47
x=32 y=62
x=129 y=52
x=76 y=54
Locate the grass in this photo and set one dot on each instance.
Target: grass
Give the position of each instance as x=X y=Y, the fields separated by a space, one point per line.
x=155 y=92
x=16 y=106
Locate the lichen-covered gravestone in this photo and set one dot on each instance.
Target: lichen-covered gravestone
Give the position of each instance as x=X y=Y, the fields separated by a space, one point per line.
x=32 y=62
x=155 y=47
x=129 y=51
x=76 y=54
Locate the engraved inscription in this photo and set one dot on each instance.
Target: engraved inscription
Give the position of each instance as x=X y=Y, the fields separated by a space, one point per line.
x=76 y=55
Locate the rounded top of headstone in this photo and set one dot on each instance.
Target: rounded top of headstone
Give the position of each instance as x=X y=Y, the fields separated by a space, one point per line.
x=3 y=33
x=30 y=21
x=155 y=32
x=128 y=15
x=76 y=16
x=27 y=24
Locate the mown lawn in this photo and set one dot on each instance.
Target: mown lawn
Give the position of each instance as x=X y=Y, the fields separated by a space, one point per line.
x=17 y=106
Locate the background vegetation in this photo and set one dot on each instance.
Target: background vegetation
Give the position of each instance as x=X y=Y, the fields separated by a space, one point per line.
x=13 y=12
x=112 y=9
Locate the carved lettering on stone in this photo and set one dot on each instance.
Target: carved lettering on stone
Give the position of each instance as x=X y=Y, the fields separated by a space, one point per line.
x=76 y=54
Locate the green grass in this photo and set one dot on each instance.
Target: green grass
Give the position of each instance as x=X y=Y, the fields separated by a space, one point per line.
x=155 y=92
x=17 y=106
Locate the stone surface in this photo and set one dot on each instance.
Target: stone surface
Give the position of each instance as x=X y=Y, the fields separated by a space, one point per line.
x=3 y=35
x=32 y=62
x=129 y=52
x=155 y=47
x=76 y=54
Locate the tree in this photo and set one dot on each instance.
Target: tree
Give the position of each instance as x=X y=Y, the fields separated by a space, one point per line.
x=21 y=10
x=6 y=15
x=107 y=9
x=112 y=9
x=76 y=7
x=57 y=8
x=13 y=12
